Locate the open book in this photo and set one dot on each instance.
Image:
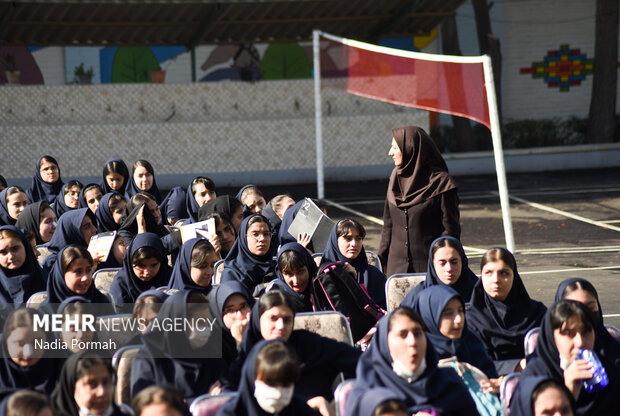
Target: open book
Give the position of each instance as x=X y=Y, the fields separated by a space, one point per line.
x=101 y=244
x=312 y=221
x=203 y=229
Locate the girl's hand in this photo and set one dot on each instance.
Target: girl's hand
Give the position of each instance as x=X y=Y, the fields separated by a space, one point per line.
x=321 y=405
x=575 y=373
x=238 y=328
x=350 y=269
x=215 y=242
x=303 y=239
x=141 y=221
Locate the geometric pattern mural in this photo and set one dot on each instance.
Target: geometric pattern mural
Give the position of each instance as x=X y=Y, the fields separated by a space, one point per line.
x=562 y=68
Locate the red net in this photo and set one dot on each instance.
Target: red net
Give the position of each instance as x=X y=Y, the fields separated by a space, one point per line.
x=446 y=87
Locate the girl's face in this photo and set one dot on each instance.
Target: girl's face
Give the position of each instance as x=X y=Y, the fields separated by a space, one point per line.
x=226 y=235
x=119 y=212
x=92 y=197
x=285 y=204
x=202 y=195
x=147 y=269
x=236 y=308
x=72 y=197
x=119 y=247
x=277 y=322
x=350 y=244
x=159 y=409
x=255 y=203
x=584 y=297
x=297 y=279
x=73 y=333
x=94 y=390
x=407 y=342
x=452 y=319
x=49 y=171
x=146 y=315
x=47 y=226
x=237 y=219
x=21 y=346
x=202 y=276
x=155 y=212
x=143 y=178
x=259 y=238
x=497 y=279
x=115 y=180
x=571 y=337
x=12 y=253
x=16 y=203
x=448 y=265
x=87 y=228
x=552 y=401
x=79 y=276
x=395 y=153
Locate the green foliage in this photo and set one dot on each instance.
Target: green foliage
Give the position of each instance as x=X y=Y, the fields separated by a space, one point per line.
x=81 y=72
x=133 y=64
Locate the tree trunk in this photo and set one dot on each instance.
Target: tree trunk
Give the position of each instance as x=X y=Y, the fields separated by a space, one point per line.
x=602 y=118
x=463 y=134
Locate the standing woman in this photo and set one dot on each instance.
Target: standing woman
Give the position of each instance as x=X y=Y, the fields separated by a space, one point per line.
x=422 y=202
x=143 y=180
x=38 y=218
x=46 y=183
x=115 y=176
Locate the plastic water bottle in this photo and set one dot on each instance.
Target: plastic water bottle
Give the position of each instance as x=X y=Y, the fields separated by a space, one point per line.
x=599 y=380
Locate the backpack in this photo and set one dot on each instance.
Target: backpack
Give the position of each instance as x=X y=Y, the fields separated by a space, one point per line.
x=334 y=289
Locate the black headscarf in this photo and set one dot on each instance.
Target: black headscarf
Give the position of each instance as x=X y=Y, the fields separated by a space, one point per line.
x=39 y=189
x=367 y=275
x=226 y=205
x=181 y=272
x=287 y=220
x=191 y=205
x=68 y=231
x=436 y=388
x=127 y=286
x=430 y=304
x=244 y=266
x=502 y=325
x=546 y=362
x=30 y=220
x=160 y=360
x=20 y=284
x=105 y=220
x=464 y=285
x=303 y=301
x=59 y=206
x=130 y=223
x=5 y=217
x=245 y=403
x=58 y=291
x=3 y=181
x=423 y=173
x=82 y=198
x=173 y=206
x=105 y=188
x=133 y=189
x=522 y=404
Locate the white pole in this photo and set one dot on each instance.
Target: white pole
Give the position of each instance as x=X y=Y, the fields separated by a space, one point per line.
x=318 y=116
x=500 y=167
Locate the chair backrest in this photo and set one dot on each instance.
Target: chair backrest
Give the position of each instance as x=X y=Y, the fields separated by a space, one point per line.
x=506 y=390
x=122 y=360
x=530 y=340
x=104 y=277
x=398 y=285
x=125 y=409
x=117 y=328
x=43 y=253
x=218 y=268
x=374 y=260
x=36 y=299
x=208 y=404
x=330 y=324
x=341 y=395
x=318 y=258
x=613 y=331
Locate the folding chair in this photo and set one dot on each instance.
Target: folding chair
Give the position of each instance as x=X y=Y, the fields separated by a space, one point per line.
x=44 y=252
x=208 y=404
x=36 y=299
x=530 y=340
x=104 y=277
x=116 y=328
x=374 y=260
x=507 y=389
x=398 y=285
x=122 y=360
x=217 y=274
x=329 y=324
x=341 y=395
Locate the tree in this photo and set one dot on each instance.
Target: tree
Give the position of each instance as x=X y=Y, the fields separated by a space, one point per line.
x=602 y=117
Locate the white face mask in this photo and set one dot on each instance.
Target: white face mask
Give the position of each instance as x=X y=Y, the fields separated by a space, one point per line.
x=403 y=372
x=198 y=338
x=272 y=399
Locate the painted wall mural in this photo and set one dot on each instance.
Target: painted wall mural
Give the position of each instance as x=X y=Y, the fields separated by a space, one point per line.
x=562 y=68
x=19 y=58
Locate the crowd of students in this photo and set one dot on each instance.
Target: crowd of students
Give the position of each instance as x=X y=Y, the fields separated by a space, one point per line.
x=274 y=367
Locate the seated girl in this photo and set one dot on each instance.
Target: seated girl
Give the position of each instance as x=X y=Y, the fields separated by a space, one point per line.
x=402 y=359
x=501 y=311
x=267 y=384
x=296 y=268
x=159 y=400
x=541 y=396
x=225 y=236
x=144 y=267
x=274 y=210
x=20 y=273
x=226 y=205
x=199 y=192
x=13 y=201
x=345 y=244
x=250 y=260
x=28 y=403
x=321 y=358
x=85 y=387
x=193 y=269
x=46 y=182
x=231 y=305
x=68 y=198
x=145 y=310
x=568 y=327
x=252 y=199
x=90 y=196
x=115 y=176
x=174 y=208
x=111 y=212
x=143 y=180
x=39 y=218
x=179 y=357
x=447 y=265
x=73 y=334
